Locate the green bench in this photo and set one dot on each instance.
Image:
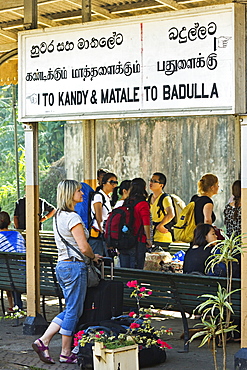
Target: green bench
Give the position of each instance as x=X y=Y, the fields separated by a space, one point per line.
x=174 y=292
x=13 y=277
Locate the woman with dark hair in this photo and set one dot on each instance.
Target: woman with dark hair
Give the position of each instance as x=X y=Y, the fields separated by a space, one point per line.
x=232 y=211
x=100 y=209
x=135 y=257
x=196 y=256
x=71 y=271
x=121 y=190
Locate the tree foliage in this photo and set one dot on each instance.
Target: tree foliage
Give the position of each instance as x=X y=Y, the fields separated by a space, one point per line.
x=51 y=149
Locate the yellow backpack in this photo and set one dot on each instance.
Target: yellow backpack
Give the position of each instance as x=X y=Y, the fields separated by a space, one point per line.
x=184 y=228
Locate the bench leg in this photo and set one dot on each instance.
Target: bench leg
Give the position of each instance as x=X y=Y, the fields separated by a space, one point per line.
x=60 y=304
x=43 y=307
x=186 y=332
x=2 y=303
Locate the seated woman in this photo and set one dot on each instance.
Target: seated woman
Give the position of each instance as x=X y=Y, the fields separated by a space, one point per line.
x=11 y=241
x=196 y=256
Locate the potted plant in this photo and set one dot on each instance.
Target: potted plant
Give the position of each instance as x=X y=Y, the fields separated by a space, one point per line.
x=111 y=347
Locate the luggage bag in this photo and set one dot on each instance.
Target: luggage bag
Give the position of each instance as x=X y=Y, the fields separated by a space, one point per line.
x=104 y=301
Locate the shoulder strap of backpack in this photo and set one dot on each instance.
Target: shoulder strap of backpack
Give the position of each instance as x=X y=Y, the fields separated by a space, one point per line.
x=92 y=195
x=160 y=204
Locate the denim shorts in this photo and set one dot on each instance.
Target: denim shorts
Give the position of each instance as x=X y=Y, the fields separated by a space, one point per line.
x=72 y=277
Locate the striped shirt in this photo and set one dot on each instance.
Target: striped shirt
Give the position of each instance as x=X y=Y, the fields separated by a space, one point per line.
x=12 y=241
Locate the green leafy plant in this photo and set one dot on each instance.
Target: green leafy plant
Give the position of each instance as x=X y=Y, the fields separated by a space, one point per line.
x=219 y=307
x=140 y=330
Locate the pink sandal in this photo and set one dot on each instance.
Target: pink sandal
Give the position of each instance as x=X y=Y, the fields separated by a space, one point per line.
x=40 y=351
x=71 y=359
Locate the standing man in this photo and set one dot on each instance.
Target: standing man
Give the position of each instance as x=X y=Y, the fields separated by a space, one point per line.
x=162 y=210
x=46 y=210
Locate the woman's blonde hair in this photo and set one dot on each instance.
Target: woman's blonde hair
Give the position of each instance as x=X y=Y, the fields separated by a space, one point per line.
x=205 y=183
x=65 y=193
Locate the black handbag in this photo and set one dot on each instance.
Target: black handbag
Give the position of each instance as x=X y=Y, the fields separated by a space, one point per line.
x=93 y=274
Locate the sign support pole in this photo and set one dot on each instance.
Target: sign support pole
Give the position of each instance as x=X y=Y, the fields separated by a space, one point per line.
x=34 y=324
x=89 y=126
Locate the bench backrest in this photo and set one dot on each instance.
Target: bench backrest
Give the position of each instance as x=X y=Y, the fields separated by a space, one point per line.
x=172 y=291
x=13 y=274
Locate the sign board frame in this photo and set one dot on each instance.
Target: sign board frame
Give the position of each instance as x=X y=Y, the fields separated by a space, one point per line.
x=189 y=62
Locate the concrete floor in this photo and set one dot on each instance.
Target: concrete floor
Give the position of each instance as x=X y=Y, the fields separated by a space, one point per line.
x=16 y=351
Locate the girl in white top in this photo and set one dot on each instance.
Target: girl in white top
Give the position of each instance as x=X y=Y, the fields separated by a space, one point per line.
x=100 y=209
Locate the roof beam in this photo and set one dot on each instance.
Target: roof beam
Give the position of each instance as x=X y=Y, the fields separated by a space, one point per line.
x=170 y=4
x=9 y=35
x=138 y=5
x=41 y=19
x=19 y=4
x=7 y=47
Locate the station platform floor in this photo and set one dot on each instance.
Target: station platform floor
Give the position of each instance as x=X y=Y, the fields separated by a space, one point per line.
x=16 y=351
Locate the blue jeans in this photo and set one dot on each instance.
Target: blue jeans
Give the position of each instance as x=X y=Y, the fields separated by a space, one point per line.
x=133 y=258
x=17 y=300
x=98 y=245
x=72 y=277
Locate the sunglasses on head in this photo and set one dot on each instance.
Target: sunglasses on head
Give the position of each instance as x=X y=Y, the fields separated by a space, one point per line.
x=155 y=181
x=112 y=182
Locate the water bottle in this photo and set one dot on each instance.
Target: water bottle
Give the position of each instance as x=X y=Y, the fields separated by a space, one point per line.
x=125 y=229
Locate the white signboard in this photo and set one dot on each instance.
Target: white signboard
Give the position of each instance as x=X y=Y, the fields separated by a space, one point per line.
x=173 y=63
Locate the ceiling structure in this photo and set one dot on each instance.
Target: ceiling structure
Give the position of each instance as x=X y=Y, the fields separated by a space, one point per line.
x=52 y=13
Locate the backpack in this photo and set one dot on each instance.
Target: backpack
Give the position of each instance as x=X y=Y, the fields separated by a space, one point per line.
x=178 y=205
x=83 y=208
x=184 y=228
x=119 y=228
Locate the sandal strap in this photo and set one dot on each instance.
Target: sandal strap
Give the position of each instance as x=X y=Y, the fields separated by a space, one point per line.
x=68 y=359
x=42 y=347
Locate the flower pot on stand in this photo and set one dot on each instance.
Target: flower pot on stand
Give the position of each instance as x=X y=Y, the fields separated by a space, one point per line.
x=115 y=359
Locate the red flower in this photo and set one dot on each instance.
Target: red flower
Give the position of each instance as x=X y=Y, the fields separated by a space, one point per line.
x=101 y=332
x=97 y=336
x=132 y=313
x=163 y=344
x=140 y=294
x=134 y=325
x=147 y=316
x=150 y=292
x=132 y=284
x=142 y=289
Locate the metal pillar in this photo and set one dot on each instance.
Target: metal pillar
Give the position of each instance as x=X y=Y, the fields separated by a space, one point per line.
x=30 y=14
x=86 y=11
x=89 y=126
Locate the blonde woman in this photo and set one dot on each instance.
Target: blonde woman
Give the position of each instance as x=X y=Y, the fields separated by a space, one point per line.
x=71 y=271
x=208 y=186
